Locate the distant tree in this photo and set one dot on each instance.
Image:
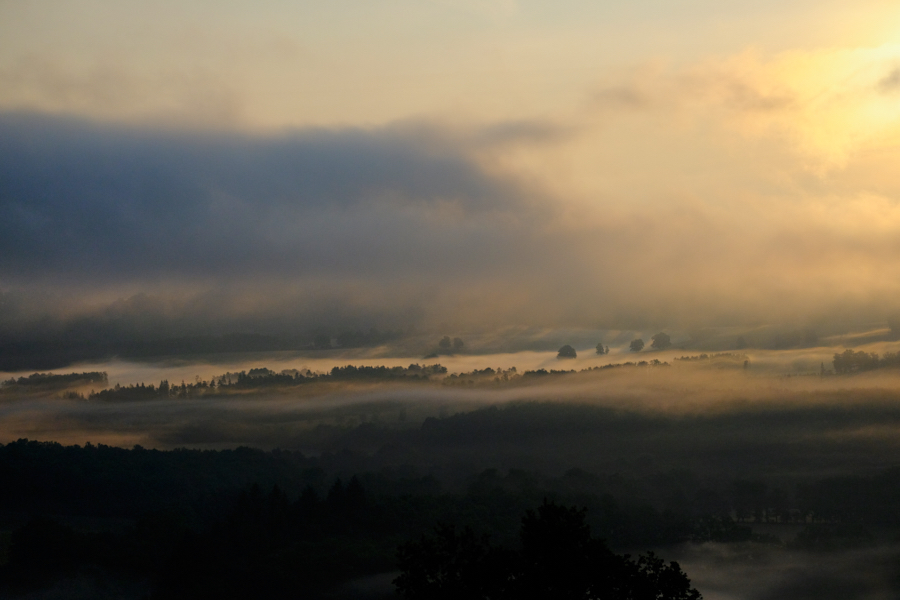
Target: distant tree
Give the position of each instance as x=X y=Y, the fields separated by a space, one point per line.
x=661 y=341
x=601 y=350
x=445 y=343
x=567 y=351
x=637 y=345
x=458 y=344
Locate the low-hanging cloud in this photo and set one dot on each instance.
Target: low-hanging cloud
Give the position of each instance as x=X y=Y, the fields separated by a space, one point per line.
x=415 y=223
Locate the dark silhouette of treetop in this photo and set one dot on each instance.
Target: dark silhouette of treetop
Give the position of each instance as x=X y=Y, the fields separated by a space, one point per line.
x=661 y=341
x=567 y=351
x=601 y=349
x=558 y=558
x=637 y=345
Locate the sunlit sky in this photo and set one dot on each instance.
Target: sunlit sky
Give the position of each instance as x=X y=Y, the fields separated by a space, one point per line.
x=470 y=163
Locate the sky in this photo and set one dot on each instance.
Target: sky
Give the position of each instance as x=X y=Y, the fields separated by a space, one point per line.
x=455 y=166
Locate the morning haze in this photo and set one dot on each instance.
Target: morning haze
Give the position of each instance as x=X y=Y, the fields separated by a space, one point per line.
x=282 y=288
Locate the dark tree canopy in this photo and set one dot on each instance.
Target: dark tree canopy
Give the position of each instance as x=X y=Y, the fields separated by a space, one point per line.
x=567 y=351
x=558 y=558
x=637 y=345
x=853 y=362
x=661 y=341
x=444 y=344
x=601 y=349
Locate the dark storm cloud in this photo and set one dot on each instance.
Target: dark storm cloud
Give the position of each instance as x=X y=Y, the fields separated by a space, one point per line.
x=100 y=202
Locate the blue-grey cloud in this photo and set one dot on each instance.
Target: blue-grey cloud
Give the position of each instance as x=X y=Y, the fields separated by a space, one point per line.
x=103 y=202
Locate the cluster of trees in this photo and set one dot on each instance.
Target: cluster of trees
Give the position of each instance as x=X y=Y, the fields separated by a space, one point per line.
x=263 y=378
x=200 y=531
x=557 y=557
x=262 y=545
x=601 y=349
x=266 y=379
x=642 y=363
x=149 y=392
x=446 y=345
x=50 y=380
x=567 y=351
x=498 y=376
x=256 y=379
x=511 y=375
x=850 y=361
x=719 y=355
x=201 y=528
x=660 y=341
x=413 y=371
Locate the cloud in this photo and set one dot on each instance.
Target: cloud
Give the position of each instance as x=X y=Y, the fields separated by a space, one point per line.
x=133 y=229
x=890 y=82
x=100 y=202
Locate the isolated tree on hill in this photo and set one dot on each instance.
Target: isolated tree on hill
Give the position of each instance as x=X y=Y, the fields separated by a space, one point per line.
x=661 y=341
x=637 y=345
x=444 y=344
x=601 y=350
x=567 y=351
x=458 y=344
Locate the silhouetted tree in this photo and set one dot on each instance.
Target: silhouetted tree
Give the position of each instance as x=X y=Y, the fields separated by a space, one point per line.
x=445 y=343
x=661 y=341
x=601 y=350
x=458 y=344
x=558 y=558
x=637 y=345
x=849 y=361
x=567 y=351
x=453 y=566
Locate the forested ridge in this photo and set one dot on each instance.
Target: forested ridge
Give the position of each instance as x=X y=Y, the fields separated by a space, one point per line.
x=235 y=521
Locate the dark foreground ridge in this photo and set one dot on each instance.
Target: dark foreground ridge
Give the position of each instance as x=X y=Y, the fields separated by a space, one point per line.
x=247 y=523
